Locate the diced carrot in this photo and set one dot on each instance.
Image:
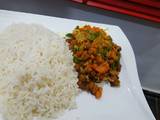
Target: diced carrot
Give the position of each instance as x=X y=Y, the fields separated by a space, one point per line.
x=103 y=68
x=86 y=27
x=89 y=67
x=111 y=54
x=94 y=45
x=99 y=59
x=98 y=94
x=94 y=66
x=92 y=50
x=79 y=53
x=96 y=29
x=94 y=89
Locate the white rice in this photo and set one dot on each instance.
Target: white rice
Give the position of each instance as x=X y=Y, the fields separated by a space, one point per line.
x=37 y=78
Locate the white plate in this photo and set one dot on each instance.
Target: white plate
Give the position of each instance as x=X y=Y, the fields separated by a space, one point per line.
x=124 y=103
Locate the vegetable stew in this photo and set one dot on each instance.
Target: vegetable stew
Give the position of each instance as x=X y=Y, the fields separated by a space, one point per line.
x=96 y=58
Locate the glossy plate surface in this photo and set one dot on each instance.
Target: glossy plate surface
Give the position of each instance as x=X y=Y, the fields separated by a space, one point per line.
x=124 y=103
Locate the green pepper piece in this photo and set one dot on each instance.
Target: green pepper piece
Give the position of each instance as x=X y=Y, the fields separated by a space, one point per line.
x=69 y=35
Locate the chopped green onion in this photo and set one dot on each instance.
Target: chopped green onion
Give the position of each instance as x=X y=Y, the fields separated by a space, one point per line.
x=119 y=56
x=113 y=66
x=76 y=59
x=81 y=47
x=87 y=31
x=76 y=48
x=106 y=78
x=92 y=36
x=103 y=52
x=109 y=38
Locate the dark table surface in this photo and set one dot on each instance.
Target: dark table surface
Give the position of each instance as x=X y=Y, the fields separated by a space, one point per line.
x=143 y=35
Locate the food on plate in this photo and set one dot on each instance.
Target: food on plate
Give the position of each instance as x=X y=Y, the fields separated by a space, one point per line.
x=96 y=58
x=37 y=76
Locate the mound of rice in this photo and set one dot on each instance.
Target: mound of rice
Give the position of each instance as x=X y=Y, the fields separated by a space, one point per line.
x=37 y=78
